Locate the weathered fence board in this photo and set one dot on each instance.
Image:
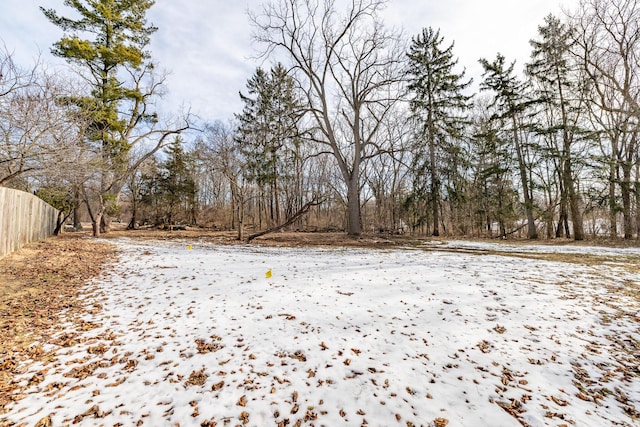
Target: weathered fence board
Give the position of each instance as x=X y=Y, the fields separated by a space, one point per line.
x=24 y=218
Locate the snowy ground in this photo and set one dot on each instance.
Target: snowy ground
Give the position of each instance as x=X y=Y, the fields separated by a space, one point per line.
x=198 y=336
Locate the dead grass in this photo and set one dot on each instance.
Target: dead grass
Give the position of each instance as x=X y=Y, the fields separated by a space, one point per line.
x=288 y=239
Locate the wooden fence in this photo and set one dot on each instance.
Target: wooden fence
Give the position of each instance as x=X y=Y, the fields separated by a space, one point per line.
x=24 y=218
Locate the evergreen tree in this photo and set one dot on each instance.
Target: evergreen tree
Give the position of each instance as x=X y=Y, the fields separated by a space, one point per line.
x=121 y=35
x=492 y=193
x=439 y=105
x=556 y=84
x=176 y=184
x=254 y=137
x=107 y=41
x=268 y=131
x=510 y=100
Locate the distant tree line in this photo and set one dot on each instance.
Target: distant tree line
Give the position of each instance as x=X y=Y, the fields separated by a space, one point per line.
x=358 y=129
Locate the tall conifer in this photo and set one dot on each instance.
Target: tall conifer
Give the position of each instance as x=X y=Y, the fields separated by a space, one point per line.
x=107 y=40
x=510 y=99
x=439 y=106
x=557 y=88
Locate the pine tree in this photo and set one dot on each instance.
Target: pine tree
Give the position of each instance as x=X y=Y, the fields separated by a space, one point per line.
x=439 y=105
x=176 y=184
x=121 y=35
x=510 y=100
x=492 y=192
x=108 y=42
x=268 y=131
x=550 y=68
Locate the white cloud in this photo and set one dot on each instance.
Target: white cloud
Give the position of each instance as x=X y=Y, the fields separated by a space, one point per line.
x=207 y=50
x=479 y=29
x=206 y=46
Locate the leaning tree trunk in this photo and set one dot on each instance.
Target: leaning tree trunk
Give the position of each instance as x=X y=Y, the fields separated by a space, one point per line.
x=133 y=222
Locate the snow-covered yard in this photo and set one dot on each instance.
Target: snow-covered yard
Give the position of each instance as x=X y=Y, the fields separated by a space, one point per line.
x=194 y=334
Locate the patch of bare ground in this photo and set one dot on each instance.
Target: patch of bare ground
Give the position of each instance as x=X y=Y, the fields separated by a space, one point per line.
x=282 y=238
x=39 y=287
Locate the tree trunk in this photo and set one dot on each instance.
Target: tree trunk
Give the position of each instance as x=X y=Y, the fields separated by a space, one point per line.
x=548 y=216
x=637 y=199
x=576 y=214
x=625 y=189
x=354 y=227
x=567 y=172
x=240 y=220
x=59 y=223
x=435 y=191
x=133 y=222
x=562 y=230
x=105 y=223
x=77 y=224
x=613 y=205
x=96 y=218
x=532 y=233
x=574 y=202
x=96 y=224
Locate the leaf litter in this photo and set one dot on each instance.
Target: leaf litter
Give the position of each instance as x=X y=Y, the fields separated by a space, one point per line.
x=39 y=290
x=340 y=337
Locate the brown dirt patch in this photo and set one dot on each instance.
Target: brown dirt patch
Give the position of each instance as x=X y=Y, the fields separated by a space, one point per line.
x=38 y=285
x=288 y=239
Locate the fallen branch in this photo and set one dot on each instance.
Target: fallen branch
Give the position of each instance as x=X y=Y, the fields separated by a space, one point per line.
x=303 y=211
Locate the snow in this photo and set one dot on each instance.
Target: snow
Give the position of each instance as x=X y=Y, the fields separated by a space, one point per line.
x=191 y=334
x=531 y=248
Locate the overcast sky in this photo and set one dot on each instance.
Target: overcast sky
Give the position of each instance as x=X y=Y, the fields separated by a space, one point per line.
x=206 y=45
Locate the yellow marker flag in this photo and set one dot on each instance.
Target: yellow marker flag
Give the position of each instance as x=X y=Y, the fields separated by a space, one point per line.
x=189 y=247
x=268 y=274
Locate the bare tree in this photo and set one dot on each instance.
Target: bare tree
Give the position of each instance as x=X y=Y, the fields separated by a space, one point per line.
x=388 y=177
x=607 y=42
x=607 y=46
x=143 y=133
x=348 y=66
x=559 y=91
x=13 y=77
x=219 y=150
x=36 y=130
